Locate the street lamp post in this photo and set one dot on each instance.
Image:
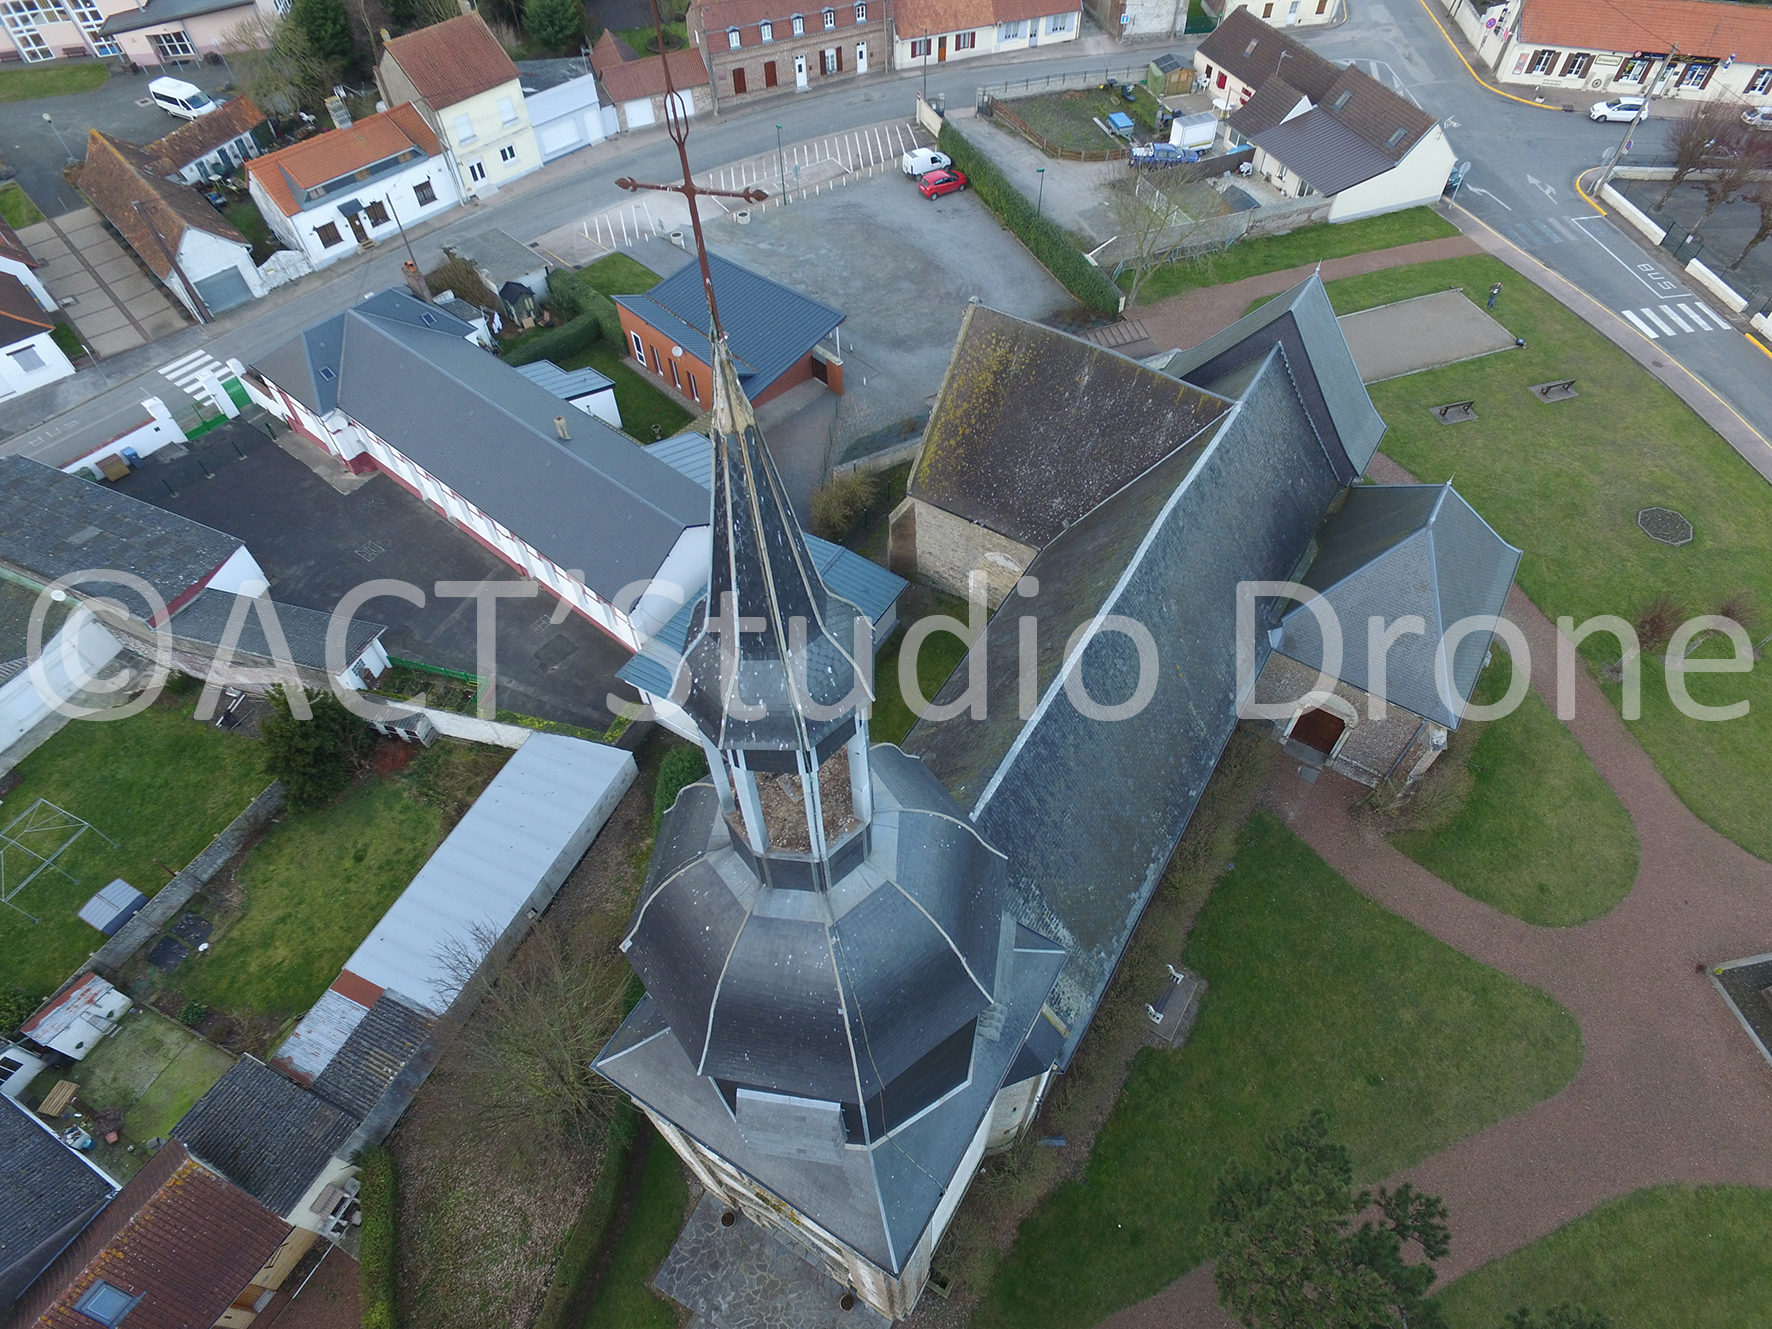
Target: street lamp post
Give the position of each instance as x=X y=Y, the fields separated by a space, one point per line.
x=781 y=170
x=58 y=136
x=1040 y=205
x=925 y=66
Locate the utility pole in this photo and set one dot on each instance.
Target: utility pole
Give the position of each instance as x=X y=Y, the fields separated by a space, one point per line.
x=925 y=66
x=1667 y=62
x=1040 y=206
x=407 y=240
x=58 y=135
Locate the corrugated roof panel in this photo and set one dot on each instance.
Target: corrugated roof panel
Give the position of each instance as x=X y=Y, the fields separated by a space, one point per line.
x=566 y=384
x=319 y=1036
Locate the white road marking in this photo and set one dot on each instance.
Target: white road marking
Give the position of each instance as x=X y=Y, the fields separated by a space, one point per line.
x=1655 y=318
x=1715 y=317
x=1642 y=327
x=1684 y=326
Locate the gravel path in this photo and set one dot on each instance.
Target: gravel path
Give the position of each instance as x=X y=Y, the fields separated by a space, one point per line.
x=1670 y=1089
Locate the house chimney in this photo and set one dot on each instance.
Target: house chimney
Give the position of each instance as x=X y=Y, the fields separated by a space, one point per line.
x=560 y=427
x=415 y=280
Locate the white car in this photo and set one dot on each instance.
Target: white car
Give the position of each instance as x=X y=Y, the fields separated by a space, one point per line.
x=1619 y=108
x=185 y=100
x=920 y=161
x=1757 y=117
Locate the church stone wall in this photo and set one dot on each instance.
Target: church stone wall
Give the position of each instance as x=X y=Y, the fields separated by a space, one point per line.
x=1370 y=749
x=948 y=548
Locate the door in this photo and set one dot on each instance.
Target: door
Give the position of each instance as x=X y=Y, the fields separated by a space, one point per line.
x=738 y=85
x=769 y=73
x=941 y=48
x=224 y=289
x=356 y=221
x=1319 y=730
x=861 y=57
x=799 y=71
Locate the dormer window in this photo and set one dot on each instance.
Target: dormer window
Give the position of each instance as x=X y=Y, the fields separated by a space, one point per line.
x=830 y=19
x=861 y=13
x=732 y=40
x=767 y=31
x=799 y=25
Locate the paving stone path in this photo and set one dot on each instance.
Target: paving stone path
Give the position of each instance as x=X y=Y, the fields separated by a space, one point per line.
x=1670 y=1088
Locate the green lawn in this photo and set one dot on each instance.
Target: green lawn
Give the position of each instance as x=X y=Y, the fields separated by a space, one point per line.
x=1308 y=244
x=1541 y=836
x=16 y=208
x=624 y=1301
x=940 y=655
x=638 y=37
x=1565 y=482
x=158 y=784
x=1318 y=997
x=642 y=406
x=244 y=215
x=64 y=336
x=58 y=80
x=317 y=883
x=1671 y=1257
x=1067 y=119
x=618 y=274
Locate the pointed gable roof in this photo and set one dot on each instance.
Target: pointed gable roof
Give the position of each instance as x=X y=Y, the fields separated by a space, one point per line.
x=1393 y=551
x=202 y=136
x=118 y=175
x=289 y=172
x=452 y=61
x=1252 y=52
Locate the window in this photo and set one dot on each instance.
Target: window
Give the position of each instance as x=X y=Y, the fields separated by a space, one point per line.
x=1542 y=62
x=105 y=1304
x=694 y=388
x=766 y=31
x=861 y=13
x=1697 y=74
x=27 y=359
x=1267 y=11
x=799 y=22
x=423 y=192
x=508 y=153
x=507 y=111
x=91 y=19
x=1576 y=65
x=464 y=129
x=738 y=81
x=1009 y=32
x=1761 y=82
x=676 y=382
x=1635 y=69
x=173 y=46
x=920 y=48
x=1060 y=22
x=328 y=235
x=476 y=171
x=830 y=19
x=732 y=39
x=1249 y=50
x=377 y=212
x=639 y=347
x=769 y=73
x=1322 y=7
x=1396 y=137
x=1342 y=98
x=965 y=41
x=1221 y=79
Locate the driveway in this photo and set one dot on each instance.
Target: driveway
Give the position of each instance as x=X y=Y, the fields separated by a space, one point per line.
x=115 y=305
x=315 y=544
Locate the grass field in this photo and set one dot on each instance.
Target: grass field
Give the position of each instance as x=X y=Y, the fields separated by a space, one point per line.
x=1276 y=253
x=1067 y=119
x=247 y=220
x=642 y=406
x=1318 y=997
x=940 y=654
x=1565 y=482
x=16 y=208
x=618 y=274
x=624 y=1301
x=1541 y=835
x=58 y=80
x=1671 y=1257
x=158 y=784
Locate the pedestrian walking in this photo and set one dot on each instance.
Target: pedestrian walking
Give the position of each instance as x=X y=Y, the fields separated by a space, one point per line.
x=1494 y=291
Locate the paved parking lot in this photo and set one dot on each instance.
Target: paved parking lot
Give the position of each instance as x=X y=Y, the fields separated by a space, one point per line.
x=315 y=544
x=113 y=303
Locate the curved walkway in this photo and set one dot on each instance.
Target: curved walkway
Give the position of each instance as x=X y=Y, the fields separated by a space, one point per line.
x=1670 y=1089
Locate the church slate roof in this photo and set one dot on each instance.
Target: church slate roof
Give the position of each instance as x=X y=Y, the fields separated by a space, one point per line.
x=1396 y=550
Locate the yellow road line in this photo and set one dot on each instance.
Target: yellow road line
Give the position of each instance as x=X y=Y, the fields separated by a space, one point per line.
x=1757 y=342
x=1473 y=73
x=1589 y=197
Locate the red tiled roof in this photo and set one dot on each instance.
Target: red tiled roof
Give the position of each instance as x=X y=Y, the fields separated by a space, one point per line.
x=1697 y=27
x=339 y=152
x=204 y=135
x=912 y=18
x=719 y=15
x=629 y=80
x=452 y=60
x=20 y=314
x=178 y=1236
x=14 y=248
x=118 y=175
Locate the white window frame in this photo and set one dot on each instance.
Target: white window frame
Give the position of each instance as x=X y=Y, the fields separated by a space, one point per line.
x=922 y=47
x=1703 y=69
x=507 y=111
x=464 y=129
x=639 y=348
x=1576 y=66
x=24 y=355
x=1543 y=61
x=733 y=41
x=169 y=45
x=508 y=153
x=1761 y=82
x=799 y=25
x=1059 y=23
x=830 y=20
x=476 y=171
x=966 y=41
x=861 y=11
x=766 y=32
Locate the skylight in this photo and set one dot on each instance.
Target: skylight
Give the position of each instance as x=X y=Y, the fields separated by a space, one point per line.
x=430 y=320
x=1395 y=138
x=1347 y=95
x=105 y=1304
x=326 y=373
x=1249 y=50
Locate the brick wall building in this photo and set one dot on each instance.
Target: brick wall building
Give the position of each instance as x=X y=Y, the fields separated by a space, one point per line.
x=758 y=46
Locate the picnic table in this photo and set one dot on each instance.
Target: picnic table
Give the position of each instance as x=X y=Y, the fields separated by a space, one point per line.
x=56 y=1101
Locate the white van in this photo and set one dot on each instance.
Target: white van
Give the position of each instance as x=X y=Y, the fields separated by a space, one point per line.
x=185 y=100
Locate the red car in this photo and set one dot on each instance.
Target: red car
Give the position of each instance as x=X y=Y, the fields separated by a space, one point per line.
x=937 y=183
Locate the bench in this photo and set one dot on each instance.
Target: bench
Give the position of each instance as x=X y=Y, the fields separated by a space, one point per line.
x=1559 y=390
x=1455 y=413
x=56 y=1101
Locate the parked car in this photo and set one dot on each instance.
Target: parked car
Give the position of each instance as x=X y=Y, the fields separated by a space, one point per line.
x=1159 y=155
x=1620 y=108
x=921 y=161
x=1757 y=117
x=185 y=100
x=936 y=183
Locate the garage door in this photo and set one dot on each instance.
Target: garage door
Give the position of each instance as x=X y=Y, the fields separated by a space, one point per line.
x=224 y=290
x=639 y=112
x=558 y=137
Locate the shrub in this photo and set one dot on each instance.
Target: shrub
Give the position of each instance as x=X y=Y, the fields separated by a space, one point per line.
x=1658 y=621
x=193 y=1014
x=571 y=297
x=1046 y=239
x=680 y=768
x=558 y=25
x=15 y=1009
x=313 y=758
x=376 y=1264
x=463 y=279
x=840 y=500
x=327 y=26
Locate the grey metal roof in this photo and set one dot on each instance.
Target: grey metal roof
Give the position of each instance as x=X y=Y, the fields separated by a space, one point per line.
x=499 y=254
x=48 y=1193
x=205 y=619
x=1395 y=550
x=373 y=1054
x=308 y=366
x=1272 y=103
x=1303 y=321
x=770 y=327
x=600 y=506
x=566 y=384
x=1027 y=463
x=1168 y=552
x=53 y=524
x=156 y=12
x=541 y=75
x=692 y=454
x=1327 y=154
x=267 y=1135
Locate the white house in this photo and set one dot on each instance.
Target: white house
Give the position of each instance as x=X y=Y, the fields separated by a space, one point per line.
x=29 y=357
x=468 y=91
x=591 y=392
x=935 y=31
x=73 y=1021
x=336 y=192
x=212 y=145
x=566 y=108
x=16 y=261
x=636 y=83
x=1287 y=13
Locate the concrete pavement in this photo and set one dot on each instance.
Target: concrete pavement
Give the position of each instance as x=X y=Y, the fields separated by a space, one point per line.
x=113 y=304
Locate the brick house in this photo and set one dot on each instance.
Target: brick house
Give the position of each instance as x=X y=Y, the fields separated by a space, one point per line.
x=757 y=46
x=635 y=83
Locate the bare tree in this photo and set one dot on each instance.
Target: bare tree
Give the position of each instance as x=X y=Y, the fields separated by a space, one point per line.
x=277 y=67
x=1149 y=220
x=524 y=1054
x=1712 y=130
x=1743 y=163
x=1761 y=198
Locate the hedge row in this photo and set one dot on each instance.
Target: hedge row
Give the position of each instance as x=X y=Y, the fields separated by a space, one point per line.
x=376 y=1264
x=586 y=317
x=1046 y=239
x=560 y=1308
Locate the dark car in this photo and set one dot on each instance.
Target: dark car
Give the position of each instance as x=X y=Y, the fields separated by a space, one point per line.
x=937 y=183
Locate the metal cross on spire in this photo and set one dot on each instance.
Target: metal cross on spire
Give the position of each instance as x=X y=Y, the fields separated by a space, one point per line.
x=677 y=125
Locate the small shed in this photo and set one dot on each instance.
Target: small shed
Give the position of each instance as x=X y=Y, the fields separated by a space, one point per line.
x=520 y=303
x=1169 y=75
x=73 y=1021
x=112 y=907
x=591 y=392
x=1194 y=131
x=499 y=257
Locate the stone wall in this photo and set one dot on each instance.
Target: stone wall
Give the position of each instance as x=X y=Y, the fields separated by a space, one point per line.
x=947 y=548
x=1370 y=749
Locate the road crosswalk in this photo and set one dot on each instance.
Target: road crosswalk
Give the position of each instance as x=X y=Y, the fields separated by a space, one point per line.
x=1539 y=232
x=1680 y=315
x=185 y=373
